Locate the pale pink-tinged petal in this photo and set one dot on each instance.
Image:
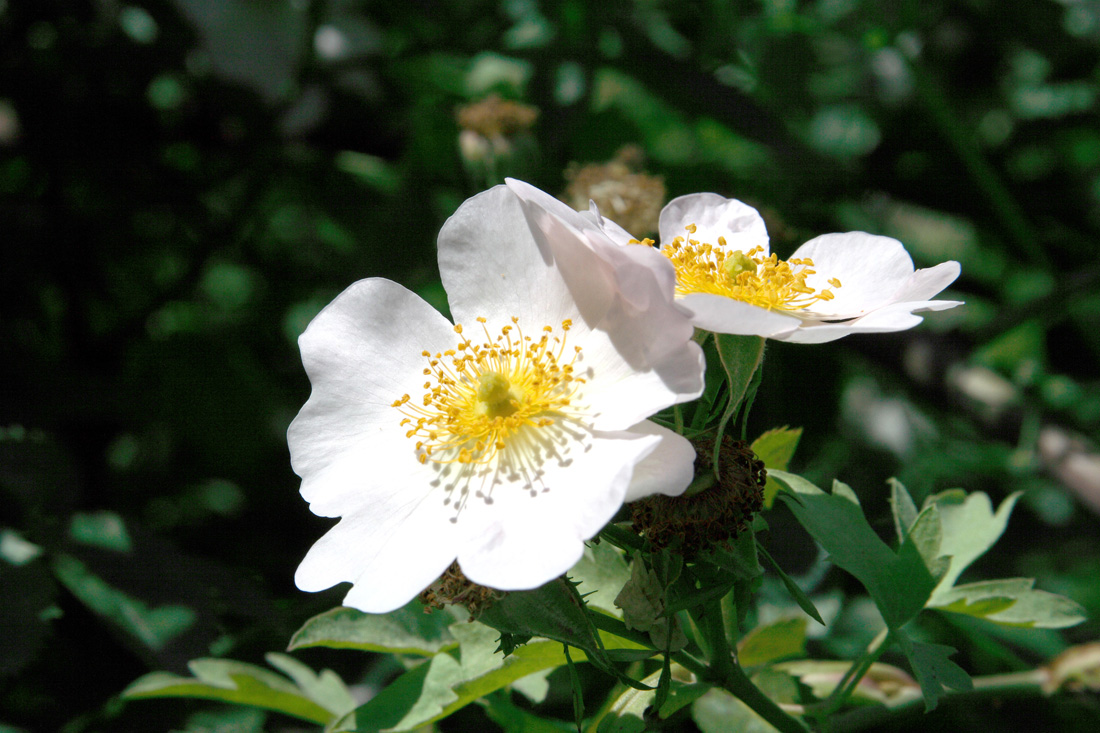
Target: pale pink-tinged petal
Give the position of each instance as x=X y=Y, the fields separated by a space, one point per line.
x=714 y=216
x=614 y=232
x=894 y=317
x=362 y=352
x=624 y=291
x=668 y=470
x=870 y=269
x=719 y=314
x=525 y=540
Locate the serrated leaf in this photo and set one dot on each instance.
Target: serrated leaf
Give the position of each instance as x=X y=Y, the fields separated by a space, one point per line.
x=1010 y=602
x=934 y=671
x=772 y=642
x=969 y=528
x=628 y=713
x=444 y=684
x=407 y=630
x=900 y=584
x=233 y=682
x=776 y=449
x=902 y=507
x=154 y=627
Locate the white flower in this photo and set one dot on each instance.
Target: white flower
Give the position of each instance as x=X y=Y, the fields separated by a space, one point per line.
x=833 y=285
x=504 y=442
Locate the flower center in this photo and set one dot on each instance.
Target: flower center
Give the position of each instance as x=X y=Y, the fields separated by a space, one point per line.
x=479 y=397
x=751 y=277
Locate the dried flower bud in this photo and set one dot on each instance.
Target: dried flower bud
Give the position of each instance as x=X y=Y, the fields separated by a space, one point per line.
x=630 y=198
x=455 y=588
x=495 y=117
x=692 y=524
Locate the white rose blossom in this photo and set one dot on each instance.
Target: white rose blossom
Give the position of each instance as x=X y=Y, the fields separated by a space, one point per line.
x=832 y=286
x=504 y=442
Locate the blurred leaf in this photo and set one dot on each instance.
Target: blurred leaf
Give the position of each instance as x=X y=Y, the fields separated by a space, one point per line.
x=29 y=593
x=900 y=584
x=628 y=713
x=883 y=682
x=100 y=529
x=408 y=630
x=326 y=689
x=234 y=682
x=154 y=627
x=772 y=642
x=718 y=711
x=514 y=719
x=1010 y=602
x=1005 y=353
x=776 y=449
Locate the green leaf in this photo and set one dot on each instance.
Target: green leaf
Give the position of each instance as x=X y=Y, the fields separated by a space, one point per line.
x=718 y=711
x=100 y=529
x=900 y=584
x=1010 y=602
x=883 y=683
x=408 y=630
x=933 y=670
x=154 y=627
x=601 y=573
x=904 y=510
x=326 y=689
x=507 y=716
x=234 y=682
x=772 y=642
x=741 y=357
x=440 y=686
x=628 y=713
x=776 y=449
x=969 y=528
x=792 y=587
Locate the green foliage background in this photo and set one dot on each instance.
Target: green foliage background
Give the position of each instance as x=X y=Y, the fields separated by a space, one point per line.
x=186 y=183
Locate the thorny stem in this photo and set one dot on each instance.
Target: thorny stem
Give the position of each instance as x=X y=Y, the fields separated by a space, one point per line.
x=726 y=672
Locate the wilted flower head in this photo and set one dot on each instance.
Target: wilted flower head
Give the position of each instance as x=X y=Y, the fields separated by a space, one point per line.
x=833 y=285
x=503 y=440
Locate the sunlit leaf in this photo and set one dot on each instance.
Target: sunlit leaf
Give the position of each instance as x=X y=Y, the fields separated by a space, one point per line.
x=408 y=630
x=772 y=642
x=776 y=449
x=234 y=682
x=970 y=527
x=628 y=712
x=1010 y=602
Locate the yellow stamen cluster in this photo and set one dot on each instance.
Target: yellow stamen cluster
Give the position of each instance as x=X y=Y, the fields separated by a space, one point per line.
x=764 y=281
x=478 y=395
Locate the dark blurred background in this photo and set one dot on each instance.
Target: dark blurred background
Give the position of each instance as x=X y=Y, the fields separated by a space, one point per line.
x=184 y=184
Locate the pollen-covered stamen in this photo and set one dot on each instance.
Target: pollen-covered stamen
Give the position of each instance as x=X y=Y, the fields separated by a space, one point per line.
x=751 y=277
x=479 y=396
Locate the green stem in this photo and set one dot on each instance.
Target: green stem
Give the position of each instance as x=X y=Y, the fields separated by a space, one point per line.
x=726 y=672
x=851 y=678
x=622 y=538
x=1017 y=685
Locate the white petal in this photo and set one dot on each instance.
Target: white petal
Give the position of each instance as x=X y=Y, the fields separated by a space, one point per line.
x=714 y=216
x=668 y=470
x=617 y=396
x=925 y=283
x=362 y=352
x=720 y=314
x=390 y=553
x=614 y=232
x=870 y=269
x=491 y=266
x=525 y=541
x=895 y=317
x=626 y=292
